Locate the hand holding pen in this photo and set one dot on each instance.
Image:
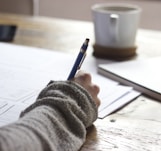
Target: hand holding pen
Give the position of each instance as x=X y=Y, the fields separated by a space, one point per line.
x=79 y=60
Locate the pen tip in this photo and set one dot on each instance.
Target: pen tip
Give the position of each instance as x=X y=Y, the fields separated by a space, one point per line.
x=87 y=39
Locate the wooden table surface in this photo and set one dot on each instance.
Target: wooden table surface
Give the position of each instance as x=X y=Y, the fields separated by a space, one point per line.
x=137 y=126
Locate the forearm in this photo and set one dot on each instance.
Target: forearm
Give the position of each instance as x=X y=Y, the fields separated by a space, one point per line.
x=57 y=121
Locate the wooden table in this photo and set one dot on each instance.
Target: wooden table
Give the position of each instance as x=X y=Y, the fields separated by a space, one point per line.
x=136 y=126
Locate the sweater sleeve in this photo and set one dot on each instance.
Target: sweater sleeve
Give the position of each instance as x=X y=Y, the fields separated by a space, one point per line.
x=57 y=121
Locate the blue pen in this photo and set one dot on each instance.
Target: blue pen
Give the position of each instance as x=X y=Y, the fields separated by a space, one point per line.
x=79 y=60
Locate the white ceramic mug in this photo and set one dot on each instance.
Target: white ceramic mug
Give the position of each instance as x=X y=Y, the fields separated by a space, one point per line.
x=115 y=25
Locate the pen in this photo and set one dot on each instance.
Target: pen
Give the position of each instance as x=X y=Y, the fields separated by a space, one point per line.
x=79 y=60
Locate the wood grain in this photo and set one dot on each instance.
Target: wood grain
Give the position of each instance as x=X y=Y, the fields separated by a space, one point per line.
x=137 y=126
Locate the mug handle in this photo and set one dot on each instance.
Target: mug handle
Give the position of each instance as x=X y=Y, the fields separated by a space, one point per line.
x=114 y=19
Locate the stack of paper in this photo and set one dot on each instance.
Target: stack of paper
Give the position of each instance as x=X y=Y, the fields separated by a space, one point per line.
x=25 y=71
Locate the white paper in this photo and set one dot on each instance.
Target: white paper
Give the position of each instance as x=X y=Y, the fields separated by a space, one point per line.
x=113 y=95
x=118 y=104
x=25 y=71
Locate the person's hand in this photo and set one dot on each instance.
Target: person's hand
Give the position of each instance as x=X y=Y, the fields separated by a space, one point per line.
x=85 y=80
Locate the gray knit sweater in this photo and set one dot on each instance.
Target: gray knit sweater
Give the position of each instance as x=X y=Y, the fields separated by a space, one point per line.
x=57 y=121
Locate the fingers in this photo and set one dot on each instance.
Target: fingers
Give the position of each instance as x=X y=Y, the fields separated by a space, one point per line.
x=95 y=88
x=83 y=76
x=85 y=80
x=97 y=101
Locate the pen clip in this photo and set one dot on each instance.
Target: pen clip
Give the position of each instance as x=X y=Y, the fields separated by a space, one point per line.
x=81 y=61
